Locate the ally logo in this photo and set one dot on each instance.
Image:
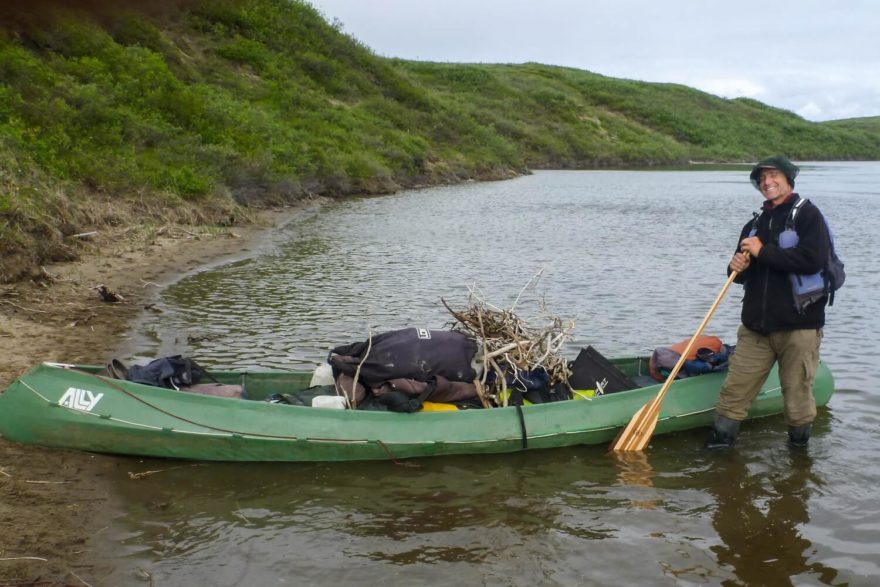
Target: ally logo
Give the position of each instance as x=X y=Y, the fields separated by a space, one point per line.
x=80 y=399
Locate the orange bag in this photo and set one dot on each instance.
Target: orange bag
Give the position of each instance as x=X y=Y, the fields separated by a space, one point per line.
x=663 y=356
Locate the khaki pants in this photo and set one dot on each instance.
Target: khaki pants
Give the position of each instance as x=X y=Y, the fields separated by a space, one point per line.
x=796 y=351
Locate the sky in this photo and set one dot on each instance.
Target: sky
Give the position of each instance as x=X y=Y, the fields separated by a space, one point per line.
x=819 y=59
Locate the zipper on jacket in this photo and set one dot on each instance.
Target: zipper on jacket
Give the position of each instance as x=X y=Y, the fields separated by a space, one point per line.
x=766 y=284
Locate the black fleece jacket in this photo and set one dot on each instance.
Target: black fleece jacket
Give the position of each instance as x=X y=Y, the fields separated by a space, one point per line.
x=768 y=303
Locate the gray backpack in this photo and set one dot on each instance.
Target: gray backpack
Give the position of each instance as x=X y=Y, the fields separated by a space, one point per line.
x=811 y=288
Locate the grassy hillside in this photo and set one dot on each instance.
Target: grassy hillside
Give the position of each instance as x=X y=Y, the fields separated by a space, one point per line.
x=870 y=124
x=189 y=108
x=559 y=116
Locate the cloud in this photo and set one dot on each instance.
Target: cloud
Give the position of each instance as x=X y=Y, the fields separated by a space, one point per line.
x=730 y=87
x=810 y=111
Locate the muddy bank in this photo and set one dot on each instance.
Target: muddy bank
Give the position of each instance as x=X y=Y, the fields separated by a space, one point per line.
x=52 y=502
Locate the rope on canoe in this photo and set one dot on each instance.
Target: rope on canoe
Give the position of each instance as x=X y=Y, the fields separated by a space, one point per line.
x=215 y=428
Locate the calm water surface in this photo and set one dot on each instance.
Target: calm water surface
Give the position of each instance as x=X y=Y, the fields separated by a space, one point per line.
x=636 y=259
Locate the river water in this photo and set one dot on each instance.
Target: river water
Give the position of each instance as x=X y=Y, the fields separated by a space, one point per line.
x=635 y=258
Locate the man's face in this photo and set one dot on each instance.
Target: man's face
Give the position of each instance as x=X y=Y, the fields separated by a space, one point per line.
x=774 y=186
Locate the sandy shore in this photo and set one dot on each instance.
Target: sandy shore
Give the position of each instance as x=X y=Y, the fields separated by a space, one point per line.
x=53 y=502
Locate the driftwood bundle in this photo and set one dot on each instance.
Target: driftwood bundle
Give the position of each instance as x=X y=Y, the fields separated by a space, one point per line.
x=509 y=345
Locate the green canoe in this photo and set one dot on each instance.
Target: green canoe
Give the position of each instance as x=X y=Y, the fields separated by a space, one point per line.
x=75 y=407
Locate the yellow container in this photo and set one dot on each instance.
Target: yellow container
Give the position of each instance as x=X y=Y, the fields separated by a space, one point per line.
x=501 y=398
x=438 y=407
x=583 y=393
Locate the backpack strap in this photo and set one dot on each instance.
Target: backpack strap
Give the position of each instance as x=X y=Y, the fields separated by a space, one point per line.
x=789 y=222
x=754 y=224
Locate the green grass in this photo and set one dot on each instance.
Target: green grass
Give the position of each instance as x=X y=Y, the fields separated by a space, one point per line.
x=870 y=124
x=263 y=101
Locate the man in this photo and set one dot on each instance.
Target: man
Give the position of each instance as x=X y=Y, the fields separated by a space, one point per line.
x=774 y=329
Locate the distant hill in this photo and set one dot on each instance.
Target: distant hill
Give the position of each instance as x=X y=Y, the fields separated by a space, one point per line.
x=191 y=107
x=869 y=124
x=571 y=118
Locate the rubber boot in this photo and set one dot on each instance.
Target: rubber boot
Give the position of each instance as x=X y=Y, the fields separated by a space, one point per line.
x=723 y=433
x=799 y=436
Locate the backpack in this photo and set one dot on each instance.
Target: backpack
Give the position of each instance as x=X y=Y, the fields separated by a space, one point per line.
x=707 y=355
x=171 y=372
x=591 y=370
x=811 y=288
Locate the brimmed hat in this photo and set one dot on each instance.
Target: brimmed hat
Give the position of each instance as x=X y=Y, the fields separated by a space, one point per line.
x=788 y=169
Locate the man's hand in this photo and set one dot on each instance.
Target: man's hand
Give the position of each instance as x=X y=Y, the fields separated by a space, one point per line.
x=751 y=245
x=739 y=263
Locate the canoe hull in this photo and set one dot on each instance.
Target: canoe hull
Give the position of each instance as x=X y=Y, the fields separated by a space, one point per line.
x=76 y=408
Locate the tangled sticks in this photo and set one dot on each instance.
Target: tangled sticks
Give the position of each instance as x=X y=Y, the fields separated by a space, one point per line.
x=510 y=346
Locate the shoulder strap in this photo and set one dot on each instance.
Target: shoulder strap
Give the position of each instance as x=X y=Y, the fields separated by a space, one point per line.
x=789 y=222
x=753 y=223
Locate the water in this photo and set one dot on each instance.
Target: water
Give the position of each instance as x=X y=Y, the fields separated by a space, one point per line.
x=636 y=259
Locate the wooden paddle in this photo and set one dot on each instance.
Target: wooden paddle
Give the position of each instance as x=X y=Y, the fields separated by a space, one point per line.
x=637 y=434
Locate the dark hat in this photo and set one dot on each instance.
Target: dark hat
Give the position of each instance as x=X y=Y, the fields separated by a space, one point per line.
x=788 y=169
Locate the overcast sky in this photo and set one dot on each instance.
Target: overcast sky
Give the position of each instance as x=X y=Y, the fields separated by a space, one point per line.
x=820 y=59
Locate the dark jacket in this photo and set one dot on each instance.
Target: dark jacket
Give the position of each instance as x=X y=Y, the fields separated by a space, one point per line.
x=768 y=304
x=408 y=353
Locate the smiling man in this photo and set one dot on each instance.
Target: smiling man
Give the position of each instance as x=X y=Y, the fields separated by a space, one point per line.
x=788 y=241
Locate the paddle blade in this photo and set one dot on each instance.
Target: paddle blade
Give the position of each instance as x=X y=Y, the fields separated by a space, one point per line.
x=638 y=432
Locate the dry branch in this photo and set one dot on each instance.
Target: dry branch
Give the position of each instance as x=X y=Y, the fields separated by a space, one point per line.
x=23 y=308
x=143 y=474
x=510 y=346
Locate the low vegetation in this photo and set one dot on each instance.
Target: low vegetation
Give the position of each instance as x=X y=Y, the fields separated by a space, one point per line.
x=187 y=109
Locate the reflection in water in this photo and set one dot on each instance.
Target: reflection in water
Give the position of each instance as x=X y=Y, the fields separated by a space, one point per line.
x=633 y=468
x=562 y=513
x=250 y=515
x=759 y=517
